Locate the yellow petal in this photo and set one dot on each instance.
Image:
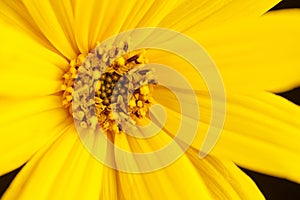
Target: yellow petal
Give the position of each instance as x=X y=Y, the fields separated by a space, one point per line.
x=55 y=22
x=93 y=19
x=96 y=25
x=22 y=138
x=62 y=170
x=156 y=13
x=261 y=133
x=14 y=109
x=15 y=42
x=21 y=78
x=180 y=66
x=224 y=179
x=198 y=15
x=261 y=130
x=28 y=68
x=262 y=54
x=163 y=183
x=16 y=15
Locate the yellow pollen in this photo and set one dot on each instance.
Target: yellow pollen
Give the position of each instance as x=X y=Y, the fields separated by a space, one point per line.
x=111 y=89
x=69 y=79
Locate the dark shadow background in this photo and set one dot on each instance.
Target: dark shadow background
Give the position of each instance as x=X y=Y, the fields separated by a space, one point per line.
x=273 y=188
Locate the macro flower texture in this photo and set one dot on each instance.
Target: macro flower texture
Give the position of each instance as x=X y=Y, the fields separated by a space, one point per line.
x=46 y=45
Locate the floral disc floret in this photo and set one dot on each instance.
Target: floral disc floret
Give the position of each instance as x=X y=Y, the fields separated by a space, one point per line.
x=111 y=66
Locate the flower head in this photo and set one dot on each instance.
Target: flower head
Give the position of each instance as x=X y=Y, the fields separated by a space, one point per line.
x=50 y=53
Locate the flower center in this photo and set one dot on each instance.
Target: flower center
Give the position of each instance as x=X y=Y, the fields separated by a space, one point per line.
x=120 y=99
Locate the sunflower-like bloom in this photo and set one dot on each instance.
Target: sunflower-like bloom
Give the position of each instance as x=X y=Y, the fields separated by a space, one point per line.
x=44 y=42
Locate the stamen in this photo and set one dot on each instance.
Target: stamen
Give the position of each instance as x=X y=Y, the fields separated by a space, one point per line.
x=114 y=87
x=69 y=79
x=111 y=89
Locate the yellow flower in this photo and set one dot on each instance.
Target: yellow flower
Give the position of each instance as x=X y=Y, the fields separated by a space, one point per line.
x=256 y=55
